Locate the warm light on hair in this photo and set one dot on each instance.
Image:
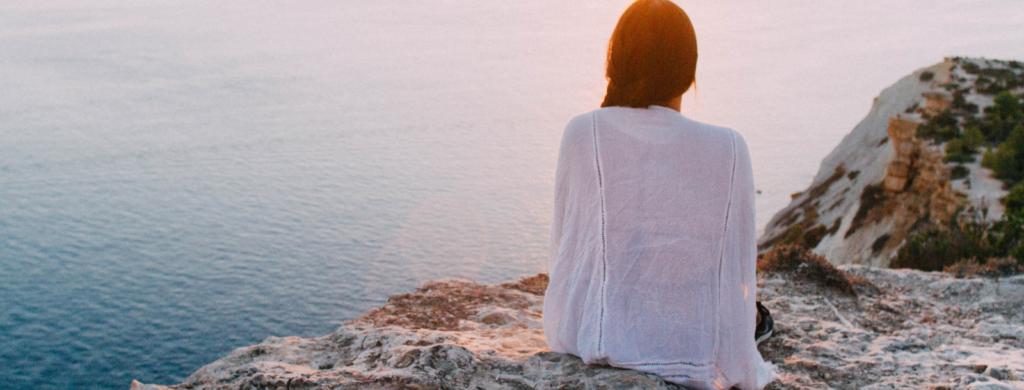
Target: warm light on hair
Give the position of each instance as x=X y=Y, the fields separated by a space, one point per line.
x=652 y=55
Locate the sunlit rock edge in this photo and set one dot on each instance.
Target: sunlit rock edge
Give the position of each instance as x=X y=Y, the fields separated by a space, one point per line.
x=922 y=330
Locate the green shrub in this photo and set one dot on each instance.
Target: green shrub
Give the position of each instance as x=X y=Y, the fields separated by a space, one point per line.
x=955 y=151
x=1006 y=166
x=941 y=247
x=959 y=172
x=961 y=105
x=973 y=138
x=931 y=250
x=1006 y=162
x=1007 y=107
x=941 y=127
x=995 y=128
x=971 y=68
x=926 y=76
x=1001 y=118
x=989 y=159
x=1014 y=202
x=1017 y=253
x=998 y=80
x=962 y=148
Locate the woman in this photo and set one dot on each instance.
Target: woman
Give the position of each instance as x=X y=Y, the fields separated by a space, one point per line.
x=653 y=241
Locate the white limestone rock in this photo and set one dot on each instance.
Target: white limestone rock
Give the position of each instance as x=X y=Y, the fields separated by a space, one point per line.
x=917 y=330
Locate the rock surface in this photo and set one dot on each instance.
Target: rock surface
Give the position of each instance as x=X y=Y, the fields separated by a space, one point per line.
x=921 y=330
x=917 y=330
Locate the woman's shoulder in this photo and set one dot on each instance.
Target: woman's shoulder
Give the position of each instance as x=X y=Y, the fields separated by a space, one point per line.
x=579 y=128
x=654 y=116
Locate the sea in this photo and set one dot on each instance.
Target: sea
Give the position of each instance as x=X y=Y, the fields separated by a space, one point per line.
x=181 y=178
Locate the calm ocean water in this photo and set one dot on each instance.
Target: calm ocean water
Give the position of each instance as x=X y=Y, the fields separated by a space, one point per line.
x=182 y=178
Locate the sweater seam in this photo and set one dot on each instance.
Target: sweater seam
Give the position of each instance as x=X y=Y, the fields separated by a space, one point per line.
x=680 y=376
x=721 y=255
x=604 y=250
x=679 y=363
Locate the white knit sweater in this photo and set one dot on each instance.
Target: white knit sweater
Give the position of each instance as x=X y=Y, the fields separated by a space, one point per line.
x=653 y=249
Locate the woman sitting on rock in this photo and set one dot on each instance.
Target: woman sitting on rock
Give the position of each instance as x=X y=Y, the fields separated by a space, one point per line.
x=653 y=245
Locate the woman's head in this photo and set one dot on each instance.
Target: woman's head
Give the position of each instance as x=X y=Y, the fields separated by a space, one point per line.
x=652 y=56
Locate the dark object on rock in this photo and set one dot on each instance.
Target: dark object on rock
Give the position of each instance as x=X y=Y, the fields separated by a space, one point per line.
x=766 y=325
x=1001 y=374
x=803 y=262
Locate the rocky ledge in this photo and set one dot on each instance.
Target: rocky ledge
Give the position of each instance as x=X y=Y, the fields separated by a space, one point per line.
x=891 y=329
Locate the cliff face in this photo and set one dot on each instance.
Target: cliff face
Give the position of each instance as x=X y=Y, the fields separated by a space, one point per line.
x=910 y=329
x=882 y=182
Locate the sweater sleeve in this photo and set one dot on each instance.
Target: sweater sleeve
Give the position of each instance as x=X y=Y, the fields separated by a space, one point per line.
x=573 y=227
x=555 y=294
x=739 y=362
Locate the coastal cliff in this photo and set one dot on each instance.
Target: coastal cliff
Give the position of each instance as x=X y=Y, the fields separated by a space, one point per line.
x=896 y=329
x=888 y=179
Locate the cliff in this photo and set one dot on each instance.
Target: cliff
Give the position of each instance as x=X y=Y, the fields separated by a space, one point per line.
x=900 y=329
x=883 y=182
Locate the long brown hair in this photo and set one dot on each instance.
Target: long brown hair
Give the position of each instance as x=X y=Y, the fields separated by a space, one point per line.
x=652 y=55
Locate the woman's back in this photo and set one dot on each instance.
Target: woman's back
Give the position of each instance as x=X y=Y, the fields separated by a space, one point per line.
x=653 y=247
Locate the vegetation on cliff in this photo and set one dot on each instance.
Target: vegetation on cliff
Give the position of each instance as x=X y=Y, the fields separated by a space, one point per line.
x=1005 y=119
x=941 y=247
x=802 y=264
x=965 y=241
x=808 y=232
